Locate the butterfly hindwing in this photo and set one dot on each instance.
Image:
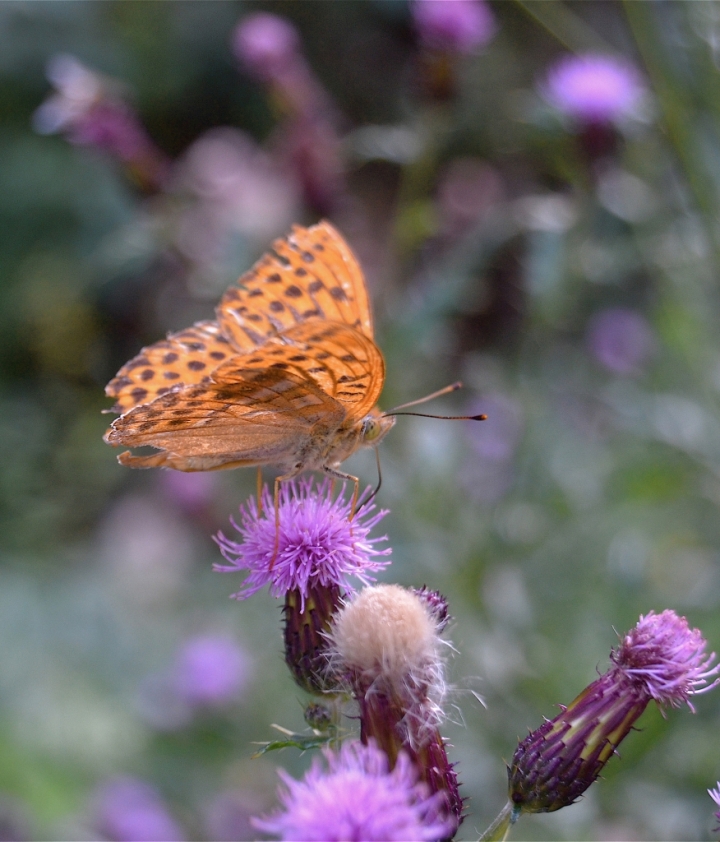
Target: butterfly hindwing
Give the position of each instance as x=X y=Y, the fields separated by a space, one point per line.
x=259 y=417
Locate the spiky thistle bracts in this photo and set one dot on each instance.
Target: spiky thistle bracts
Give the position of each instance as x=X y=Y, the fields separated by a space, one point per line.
x=660 y=659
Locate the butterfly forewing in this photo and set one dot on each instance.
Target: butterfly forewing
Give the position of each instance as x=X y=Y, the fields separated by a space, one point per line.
x=184 y=358
x=310 y=274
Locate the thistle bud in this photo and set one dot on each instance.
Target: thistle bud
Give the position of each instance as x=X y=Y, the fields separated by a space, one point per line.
x=661 y=659
x=385 y=645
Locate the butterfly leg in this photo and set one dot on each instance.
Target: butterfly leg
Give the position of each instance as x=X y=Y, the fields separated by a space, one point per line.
x=333 y=472
x=276 y=502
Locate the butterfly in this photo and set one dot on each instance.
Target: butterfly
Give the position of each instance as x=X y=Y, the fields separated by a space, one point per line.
x=287 y=374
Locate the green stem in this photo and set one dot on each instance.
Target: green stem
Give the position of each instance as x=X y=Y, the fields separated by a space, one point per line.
x=565 y=26
x=500 y=828
x=676 y=115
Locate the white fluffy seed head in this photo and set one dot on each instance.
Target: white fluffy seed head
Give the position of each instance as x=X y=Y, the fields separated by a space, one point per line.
x=387 y=631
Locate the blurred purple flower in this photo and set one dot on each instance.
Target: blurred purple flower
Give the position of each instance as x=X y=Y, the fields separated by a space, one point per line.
x=318 y=544
x=494 y=442
x=358 y=797
x=90 y=111
x=235 y=190
x=127 y=809
x=210 y=670
x=269 y=47
x=227 y=817
x=456 y=26
x=191 y=492
x=266 y=44
x=621 y=340
x=593 y=88
x=470 y=190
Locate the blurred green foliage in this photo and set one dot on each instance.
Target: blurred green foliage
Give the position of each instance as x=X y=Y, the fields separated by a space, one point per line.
x=590 y=496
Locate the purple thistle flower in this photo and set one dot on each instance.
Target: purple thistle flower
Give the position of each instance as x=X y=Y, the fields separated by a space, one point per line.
x=358 y=798
x=456 y=26
x=593 y=88
x=661 y=659
x=130 y=810
x=667 y=659
x=318 y=543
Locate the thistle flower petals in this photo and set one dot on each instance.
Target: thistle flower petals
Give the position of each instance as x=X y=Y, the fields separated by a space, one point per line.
x=317 y=542
x=667 y=658
x=358 y=798
x=715 y=795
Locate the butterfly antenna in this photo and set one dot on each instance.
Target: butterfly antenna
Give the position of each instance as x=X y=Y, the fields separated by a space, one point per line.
x=481 y=417
x=453 y=387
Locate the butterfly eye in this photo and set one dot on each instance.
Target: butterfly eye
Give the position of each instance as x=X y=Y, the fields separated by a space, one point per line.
x=371 y=428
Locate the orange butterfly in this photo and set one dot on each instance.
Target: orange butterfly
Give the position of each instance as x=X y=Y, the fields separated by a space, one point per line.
x=287 y=375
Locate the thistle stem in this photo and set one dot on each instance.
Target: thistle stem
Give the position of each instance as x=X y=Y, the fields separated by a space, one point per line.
x=499 y=830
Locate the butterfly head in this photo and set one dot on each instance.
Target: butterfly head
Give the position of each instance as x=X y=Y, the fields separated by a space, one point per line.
x=375 y=426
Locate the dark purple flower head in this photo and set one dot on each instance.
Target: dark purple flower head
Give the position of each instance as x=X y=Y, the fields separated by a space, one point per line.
x=317 y=542
x=211 y=669
x=593 y=88
x=667 y=659
x=436 y=603
x=266 y=44
x=621 y=340
x=358 y=798
x=456 y=26
x=130 y=810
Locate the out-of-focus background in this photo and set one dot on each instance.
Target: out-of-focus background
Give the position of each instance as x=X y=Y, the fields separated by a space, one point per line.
x=542 y=227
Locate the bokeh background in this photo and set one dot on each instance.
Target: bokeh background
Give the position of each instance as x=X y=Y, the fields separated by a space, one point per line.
x=551 y=240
